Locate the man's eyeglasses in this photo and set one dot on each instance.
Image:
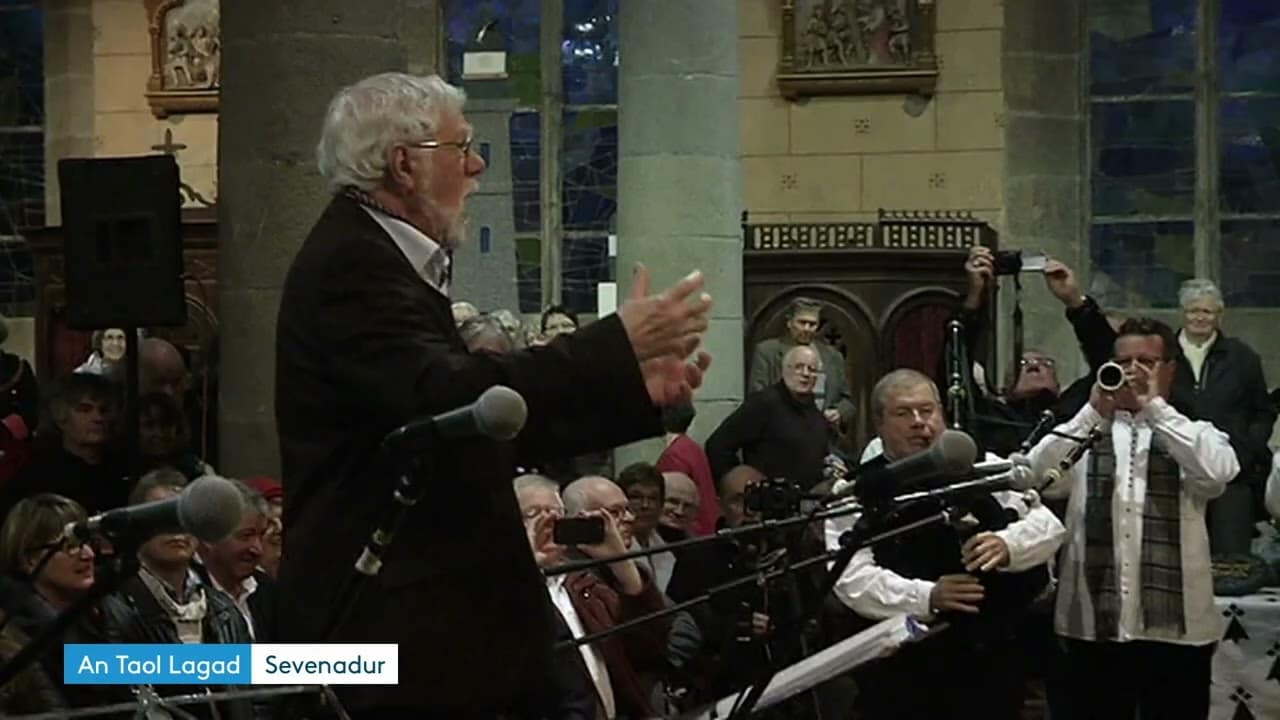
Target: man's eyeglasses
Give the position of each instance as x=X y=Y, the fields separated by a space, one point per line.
x=1043 y=362
x=463 y=145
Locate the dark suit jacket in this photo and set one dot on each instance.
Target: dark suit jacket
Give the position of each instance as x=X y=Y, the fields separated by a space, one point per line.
x=364 y=345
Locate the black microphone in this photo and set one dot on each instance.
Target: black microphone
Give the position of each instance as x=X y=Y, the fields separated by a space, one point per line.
x=499 y=413
x=209 y=508
x=953 y=454
x=1059 y=473
x=1019 y=478
x=1047 y=420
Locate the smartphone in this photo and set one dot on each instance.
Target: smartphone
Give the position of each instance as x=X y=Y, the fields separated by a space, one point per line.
x=578 y=531
x=1033 y=262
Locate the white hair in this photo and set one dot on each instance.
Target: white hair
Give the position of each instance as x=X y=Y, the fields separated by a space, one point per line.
x=577 y=495
x=366 y=119
x=1197 y=288
x=534 y=482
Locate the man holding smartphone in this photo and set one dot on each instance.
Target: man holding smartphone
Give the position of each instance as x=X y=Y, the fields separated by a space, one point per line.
x=592 y=601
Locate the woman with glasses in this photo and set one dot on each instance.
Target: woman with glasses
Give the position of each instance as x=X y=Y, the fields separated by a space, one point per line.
x=45 y=573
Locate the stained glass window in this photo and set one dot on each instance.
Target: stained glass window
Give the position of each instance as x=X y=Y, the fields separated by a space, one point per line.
x=1146 y=141
x=21 y=146
x=588 y=128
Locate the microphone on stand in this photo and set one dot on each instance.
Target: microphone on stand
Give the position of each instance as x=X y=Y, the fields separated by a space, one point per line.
x=1058 y=474
x=1043 y=425
x=210 y=508
x=499 y=414
x=952 y=455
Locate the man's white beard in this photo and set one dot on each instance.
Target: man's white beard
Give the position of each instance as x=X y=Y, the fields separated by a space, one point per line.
x=455 y=233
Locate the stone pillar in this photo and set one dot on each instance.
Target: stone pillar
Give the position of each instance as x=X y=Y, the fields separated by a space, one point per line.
x=484 y=267
x=680 y=177
x=1045 y=181
x=68 y=92
x=282 y=61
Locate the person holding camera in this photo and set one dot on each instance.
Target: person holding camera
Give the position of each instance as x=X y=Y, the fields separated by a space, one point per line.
x=1001 y=423
x=1135 y=603
x=978 y=578
x=622 y=667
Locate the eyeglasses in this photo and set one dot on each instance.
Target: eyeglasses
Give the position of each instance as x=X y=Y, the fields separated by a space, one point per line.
x=1037 y=362
x=463 y=145
x=70 y=545
x=619 y=512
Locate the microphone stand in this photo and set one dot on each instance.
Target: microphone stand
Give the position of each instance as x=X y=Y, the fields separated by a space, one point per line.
x=957 y=374
x=755 y=578
x=850 y=544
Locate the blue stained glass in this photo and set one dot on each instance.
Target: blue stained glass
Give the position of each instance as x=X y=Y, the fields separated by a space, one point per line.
x=21 y=65
x=518 y=22
x=526 y=171
x=1250 y=256
x=1142 y=46
x=584 y=264
x=1249 y=131
x=589 y=164
x=1249 y=46
x=1143 y=158
x=589 y=52
x=1141 y=264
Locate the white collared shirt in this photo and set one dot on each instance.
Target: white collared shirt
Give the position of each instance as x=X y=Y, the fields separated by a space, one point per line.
x=1194 y=353
x=877 y=593
x=1206 y=463
x=240 y=598
x=428 y=259
x=591 y=655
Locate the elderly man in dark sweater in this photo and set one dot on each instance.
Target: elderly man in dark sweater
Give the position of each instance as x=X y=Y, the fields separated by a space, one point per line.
x=779 y=430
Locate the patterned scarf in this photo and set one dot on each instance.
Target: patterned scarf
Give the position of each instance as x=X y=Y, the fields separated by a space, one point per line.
x=187 y=617
x=363 y=198
x=1162 y=605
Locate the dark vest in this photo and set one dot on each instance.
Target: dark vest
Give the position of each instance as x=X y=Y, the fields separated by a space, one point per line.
x=932 y=551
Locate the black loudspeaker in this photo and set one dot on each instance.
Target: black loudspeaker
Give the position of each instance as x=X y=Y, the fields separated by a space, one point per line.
x=122 y=242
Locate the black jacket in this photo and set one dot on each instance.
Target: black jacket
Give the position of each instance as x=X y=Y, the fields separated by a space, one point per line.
x=775 y=433
x=363 y=345
x=137 y=617
x=1232 y=394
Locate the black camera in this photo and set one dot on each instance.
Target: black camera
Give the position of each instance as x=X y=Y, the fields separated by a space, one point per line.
x=1012 y=262
x=772 y=498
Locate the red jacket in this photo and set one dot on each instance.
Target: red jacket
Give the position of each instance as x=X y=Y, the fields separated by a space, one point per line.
x=635 y=657
x=686 y=456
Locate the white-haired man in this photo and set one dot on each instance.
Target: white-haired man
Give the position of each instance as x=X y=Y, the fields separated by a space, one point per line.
x=366 y=341
x=1220 y=379
x=981 y=585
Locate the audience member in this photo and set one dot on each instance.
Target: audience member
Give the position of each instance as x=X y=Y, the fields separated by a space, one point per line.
x=164 y=439
x=1221 y=380
x=231 y=566
x=558 y=320
x=624 y=667
x=106 y=357
x=74 y=456
x=463 y=311
x=273 y=539
x=680 y=504
x=684 y=455
x=485 y=333
x=46 y=572
x=1135 y=602
x=645 y=488
x=779 y=430
x=831 y=388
